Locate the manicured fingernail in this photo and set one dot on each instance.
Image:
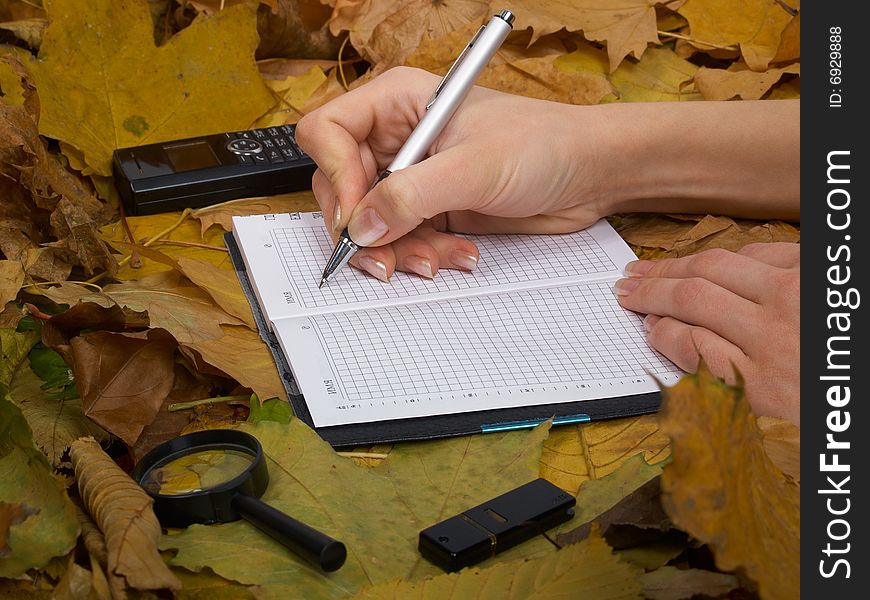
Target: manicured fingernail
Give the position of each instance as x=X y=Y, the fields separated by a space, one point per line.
x=639 y=268
x=650 y=321
x=373 y=267
x=624 y=287
x=336 y=216
x=463 y=260
x=420 y=265
x=367 y=227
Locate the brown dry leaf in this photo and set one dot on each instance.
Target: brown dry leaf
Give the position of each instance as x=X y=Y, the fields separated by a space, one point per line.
x=250 y=362
x=663 y=236
x=123 y=378
x=11 y=279
x=627 y=26
x=721 y=488
x=671 y=583
x=297 y=29
x=27 y=30
x=386 y=32
x=59 y=329
x=224 y=288
x=755 y=25
x=167 y=425
x=222 y=214
x=171 y=301
x=11 y=10
x=515 y=71
x=123 y=512
x=782 y=443
x=789 y=90
x=574 y=454
x=45 y=203
x=725 y=84
x=201 y=81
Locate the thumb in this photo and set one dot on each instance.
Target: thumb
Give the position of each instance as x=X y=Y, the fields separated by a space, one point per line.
x=399 y=203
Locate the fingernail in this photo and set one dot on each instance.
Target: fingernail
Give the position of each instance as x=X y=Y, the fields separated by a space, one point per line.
x=463 y=260
x=336 y=216
x=367 y=227
x=373 y=267
x=639 y=268
x=624 y=287
x=420 y=266
x=650 y=321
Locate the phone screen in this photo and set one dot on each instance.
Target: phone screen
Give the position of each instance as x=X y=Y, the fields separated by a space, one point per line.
x=191 y=155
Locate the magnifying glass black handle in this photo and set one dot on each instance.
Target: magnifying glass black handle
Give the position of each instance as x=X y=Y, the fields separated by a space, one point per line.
x=314 y=546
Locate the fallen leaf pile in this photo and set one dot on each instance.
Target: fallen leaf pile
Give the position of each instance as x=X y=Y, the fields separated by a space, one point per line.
x=118 y=333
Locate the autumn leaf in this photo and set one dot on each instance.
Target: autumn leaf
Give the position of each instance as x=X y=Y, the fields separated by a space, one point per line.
x=386 y=31
x=103 y=84
x=123 y=377
x=575 y=454
x=725 y=84
x=250 y=363
x=722 y=489
x=309 y=481
x=671 y=583
x=782 y=444
x=627 y=26
x=223 y=286
x=515 y=72
x=37 y=520
x=186 y=239
x=123 y=512
x=55 y=423
x=293 y=93
x=660 y=236
x=172 y=302
x=755 y=25
x=588 y=570
x=661 y=76
x=11 y=279
x=222 y=214
x=49 y=218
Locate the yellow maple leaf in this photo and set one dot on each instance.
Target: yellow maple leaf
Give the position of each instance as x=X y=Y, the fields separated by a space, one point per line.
x=103 y=84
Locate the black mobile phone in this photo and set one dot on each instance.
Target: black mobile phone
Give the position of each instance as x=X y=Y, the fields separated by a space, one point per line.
x=196 y=172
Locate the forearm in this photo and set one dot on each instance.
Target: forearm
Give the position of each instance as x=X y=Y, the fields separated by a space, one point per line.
x=736 y=158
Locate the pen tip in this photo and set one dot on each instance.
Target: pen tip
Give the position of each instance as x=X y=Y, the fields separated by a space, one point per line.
x=322 y=281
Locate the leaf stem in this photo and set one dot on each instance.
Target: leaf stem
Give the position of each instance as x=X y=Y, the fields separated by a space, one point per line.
x=377 y=455
x=340 y=63
x=193 y=245
x=194 y=403
x=41 y=283
x=696 y=41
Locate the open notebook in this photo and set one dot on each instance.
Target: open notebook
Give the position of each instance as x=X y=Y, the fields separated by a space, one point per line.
x=536 y=325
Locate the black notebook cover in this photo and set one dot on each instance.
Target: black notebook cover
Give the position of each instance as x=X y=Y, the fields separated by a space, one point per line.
x=425 y=428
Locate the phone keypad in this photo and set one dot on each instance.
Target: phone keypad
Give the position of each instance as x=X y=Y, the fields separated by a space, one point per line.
x=265 y=146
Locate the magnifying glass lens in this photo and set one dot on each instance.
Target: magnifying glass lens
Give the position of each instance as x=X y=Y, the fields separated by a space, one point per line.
x=196 y=471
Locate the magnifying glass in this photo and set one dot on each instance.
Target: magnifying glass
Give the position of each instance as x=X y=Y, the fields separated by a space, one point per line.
x=218 y=476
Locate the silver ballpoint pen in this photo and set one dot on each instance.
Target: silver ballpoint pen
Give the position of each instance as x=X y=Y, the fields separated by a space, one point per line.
x=447 y=97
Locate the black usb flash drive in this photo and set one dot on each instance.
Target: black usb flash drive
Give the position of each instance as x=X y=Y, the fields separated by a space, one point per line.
x=496 y=525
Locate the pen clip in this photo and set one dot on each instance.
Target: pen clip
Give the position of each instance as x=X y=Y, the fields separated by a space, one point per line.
x=453 y=67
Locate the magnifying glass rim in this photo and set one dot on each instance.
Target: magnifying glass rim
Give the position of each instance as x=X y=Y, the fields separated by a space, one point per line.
x=190 y=442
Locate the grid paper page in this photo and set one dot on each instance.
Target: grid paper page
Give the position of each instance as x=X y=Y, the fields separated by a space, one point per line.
x=285 y=255
x=537 y=346
x=503 y=260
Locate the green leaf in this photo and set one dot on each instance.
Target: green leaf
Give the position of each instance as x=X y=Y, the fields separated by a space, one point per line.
x=377 y=513
x=38 y=521
x=274 y=409
x=50 y=367
x=584 y=571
